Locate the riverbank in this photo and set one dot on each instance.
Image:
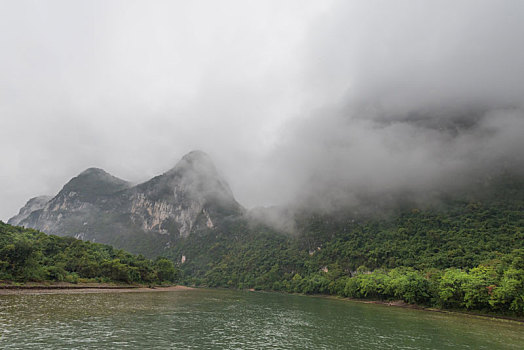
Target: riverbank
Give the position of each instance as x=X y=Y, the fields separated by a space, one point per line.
x=82 y=288
x=402 y=304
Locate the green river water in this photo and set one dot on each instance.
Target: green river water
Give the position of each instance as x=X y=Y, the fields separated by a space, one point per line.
x=221 y=319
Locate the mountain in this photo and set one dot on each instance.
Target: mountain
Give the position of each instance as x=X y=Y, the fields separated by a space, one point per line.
x=145 y=218
x=32 y=205
x=462 y=250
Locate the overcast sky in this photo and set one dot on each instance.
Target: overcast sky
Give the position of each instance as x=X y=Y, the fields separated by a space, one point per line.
x=284 y=95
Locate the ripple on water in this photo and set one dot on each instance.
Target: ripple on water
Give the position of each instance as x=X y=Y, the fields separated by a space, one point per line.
x=215 y=319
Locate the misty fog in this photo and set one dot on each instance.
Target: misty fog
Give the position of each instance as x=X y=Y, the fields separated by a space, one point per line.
x=292 y=100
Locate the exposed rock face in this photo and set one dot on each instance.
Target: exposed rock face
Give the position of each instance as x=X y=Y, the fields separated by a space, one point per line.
x=31 y=205
x=99 y=207
x=191 y=193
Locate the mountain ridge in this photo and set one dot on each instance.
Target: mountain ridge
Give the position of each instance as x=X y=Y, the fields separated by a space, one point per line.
x=98 y=206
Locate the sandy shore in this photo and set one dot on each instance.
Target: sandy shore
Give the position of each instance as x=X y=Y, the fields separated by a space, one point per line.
x=84 y=289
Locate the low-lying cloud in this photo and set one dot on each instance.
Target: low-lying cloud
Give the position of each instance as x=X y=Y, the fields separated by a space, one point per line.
x=298 y=103
x=405 y=97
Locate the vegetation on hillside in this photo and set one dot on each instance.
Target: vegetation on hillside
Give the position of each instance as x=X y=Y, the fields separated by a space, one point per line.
x=30 y=255
x=465 y=255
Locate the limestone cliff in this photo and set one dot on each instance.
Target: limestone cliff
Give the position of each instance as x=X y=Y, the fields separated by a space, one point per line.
x=32 y=205
x=99 y=207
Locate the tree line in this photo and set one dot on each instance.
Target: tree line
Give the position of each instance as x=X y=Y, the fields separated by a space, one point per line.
x=30 y=255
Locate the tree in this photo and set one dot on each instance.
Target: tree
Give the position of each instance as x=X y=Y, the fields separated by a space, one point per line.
x=166 y=270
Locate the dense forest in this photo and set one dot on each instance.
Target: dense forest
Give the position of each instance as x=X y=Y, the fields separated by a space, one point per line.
x=462 y=254
x=30 y=255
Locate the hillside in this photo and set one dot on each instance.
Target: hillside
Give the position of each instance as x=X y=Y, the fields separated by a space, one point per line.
x=30 y=255
x=465 y=254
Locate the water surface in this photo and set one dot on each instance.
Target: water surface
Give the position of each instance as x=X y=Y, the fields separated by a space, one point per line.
x=221 y=319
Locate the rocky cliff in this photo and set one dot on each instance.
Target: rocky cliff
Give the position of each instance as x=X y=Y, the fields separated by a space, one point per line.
x=99 y=207
x=32 y=205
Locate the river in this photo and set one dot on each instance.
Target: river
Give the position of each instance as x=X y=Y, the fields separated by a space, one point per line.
x=222 y=319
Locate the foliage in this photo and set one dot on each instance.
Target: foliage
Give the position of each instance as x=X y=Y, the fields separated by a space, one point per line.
x=30 y=255
x=461 y=254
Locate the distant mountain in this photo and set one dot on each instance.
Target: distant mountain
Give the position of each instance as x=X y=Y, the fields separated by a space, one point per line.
x=99 y=207
x=32 y=205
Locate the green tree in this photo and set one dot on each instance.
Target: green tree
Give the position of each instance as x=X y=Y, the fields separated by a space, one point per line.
x=166 y=270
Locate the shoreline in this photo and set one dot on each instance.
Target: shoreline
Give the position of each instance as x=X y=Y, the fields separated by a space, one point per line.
x=404 y=305
x=88 y=288
x=65 y=288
